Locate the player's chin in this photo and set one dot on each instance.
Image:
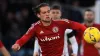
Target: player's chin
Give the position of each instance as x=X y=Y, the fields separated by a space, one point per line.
x=47 y=20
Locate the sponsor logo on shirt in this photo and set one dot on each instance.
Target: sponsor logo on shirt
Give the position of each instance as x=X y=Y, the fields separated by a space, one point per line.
x=51 y=38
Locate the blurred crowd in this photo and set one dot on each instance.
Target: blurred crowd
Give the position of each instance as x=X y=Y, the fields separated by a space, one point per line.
x=16 y=16
x=14 y=22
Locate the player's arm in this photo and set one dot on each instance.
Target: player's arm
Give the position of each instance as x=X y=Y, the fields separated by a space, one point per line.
x=72 y=39
x=20 y=42
x=74 y=25
x=3 y=50
x=36 y=48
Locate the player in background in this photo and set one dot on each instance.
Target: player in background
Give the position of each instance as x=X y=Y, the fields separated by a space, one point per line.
x=55 y=13
x=3 y=50
x=50 y=33
x=89 y=49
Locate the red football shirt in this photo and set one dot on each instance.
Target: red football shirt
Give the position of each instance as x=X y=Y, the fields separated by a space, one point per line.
x=89 y=49
x=1 y=45
x=50 y=38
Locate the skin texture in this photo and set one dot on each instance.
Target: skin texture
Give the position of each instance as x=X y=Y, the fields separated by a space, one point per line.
x=4 y=51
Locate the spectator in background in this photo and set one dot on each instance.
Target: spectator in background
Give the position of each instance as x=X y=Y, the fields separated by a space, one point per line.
x=10 y=29
x=15 y=24
x=35 y=2
x=75 y=13
x=72 y=12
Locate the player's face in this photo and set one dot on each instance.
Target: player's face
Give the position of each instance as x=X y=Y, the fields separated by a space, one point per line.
x=55 y=14
x=89 y=16
x=44 y=14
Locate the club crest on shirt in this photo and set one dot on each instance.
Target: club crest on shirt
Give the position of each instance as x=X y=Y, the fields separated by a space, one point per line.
x=55 y=29
x=41 y=32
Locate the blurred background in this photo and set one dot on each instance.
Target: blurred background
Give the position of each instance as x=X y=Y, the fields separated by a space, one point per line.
x=16 y=16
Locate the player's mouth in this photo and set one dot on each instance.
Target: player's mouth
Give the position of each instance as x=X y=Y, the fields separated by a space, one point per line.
x=48 y=17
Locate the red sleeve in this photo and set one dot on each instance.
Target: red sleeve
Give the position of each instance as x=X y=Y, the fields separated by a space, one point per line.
x=77 y=26
x=1 y=44
x=80 y=28
x=27 y=36
x=74 y=25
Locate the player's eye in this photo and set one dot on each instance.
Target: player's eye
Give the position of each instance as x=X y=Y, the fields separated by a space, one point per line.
x=57 y=12
x=53 y=12
x=43 y=12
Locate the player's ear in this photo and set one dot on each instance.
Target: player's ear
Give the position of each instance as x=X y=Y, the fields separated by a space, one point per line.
x=38 y=15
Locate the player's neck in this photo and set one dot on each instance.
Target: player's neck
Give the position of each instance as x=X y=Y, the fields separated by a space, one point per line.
x=56 y=18
x=89 y=24
x=46 y=23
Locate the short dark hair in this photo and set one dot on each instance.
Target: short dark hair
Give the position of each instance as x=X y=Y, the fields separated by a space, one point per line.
x=37 y=8
x=58 y=7
x=89 y=10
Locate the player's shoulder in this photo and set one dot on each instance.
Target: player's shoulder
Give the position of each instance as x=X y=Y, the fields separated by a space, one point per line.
x=33 y=27
x=62 y=20
x=36 y=23
x=97 y=25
